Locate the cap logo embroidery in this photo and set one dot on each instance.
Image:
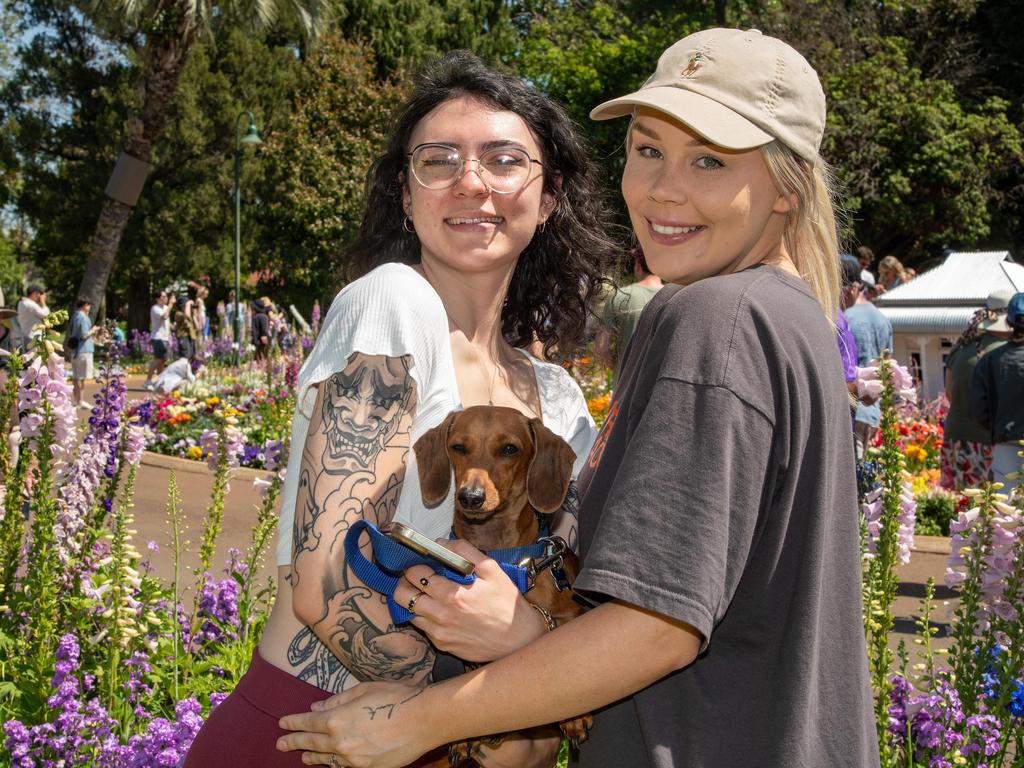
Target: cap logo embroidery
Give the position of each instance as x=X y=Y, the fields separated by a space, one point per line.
x=695 y=63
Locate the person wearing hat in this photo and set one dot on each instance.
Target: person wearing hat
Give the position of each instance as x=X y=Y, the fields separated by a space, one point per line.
x=261 y=327
x=966 y=455
x=31 y=311
x=718 y=509
x=998 y=389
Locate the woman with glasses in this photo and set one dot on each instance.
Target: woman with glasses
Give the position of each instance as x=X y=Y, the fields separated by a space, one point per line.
x=482 y=235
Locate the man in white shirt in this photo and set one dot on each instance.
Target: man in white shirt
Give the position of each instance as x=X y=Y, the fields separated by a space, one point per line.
x=31 y=311
x=159 y=335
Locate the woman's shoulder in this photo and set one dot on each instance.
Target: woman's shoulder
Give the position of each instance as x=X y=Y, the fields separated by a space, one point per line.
x=396 y=290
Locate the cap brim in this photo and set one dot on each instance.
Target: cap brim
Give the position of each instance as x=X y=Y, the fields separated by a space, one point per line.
x=711 y=120
x=999 y=325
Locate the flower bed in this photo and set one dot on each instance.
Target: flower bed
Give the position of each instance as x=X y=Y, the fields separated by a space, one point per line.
x=101 y=662
x=104 y=664
x=183 y=424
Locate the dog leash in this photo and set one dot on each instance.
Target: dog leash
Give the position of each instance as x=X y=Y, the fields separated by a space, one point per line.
x=391 y=558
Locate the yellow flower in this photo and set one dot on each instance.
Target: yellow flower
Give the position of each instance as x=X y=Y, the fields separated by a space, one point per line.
x=194 y=452
x=212 y=400
x=598 y=405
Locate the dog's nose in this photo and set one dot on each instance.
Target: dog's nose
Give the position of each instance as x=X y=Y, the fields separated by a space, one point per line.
x=471 y=497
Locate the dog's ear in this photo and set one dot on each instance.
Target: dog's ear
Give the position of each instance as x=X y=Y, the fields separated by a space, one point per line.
x=547 y=480
x=435 y=468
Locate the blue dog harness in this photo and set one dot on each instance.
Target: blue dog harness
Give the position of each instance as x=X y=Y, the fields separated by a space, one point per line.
x=391 y=558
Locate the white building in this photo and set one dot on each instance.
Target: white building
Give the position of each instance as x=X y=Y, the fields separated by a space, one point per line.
x=929 y=313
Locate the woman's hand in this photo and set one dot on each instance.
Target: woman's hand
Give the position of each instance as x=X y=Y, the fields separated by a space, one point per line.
x=380 y=728
x=483 y=621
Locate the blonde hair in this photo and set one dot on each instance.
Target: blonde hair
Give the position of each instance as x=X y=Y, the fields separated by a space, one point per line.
x=891 y=262
x=812 y=234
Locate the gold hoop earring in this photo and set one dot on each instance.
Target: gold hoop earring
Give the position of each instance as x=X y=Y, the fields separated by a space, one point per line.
x=540 y=227
x=407 y=226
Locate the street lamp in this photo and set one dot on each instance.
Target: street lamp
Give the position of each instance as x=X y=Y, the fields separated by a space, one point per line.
x=252 y=136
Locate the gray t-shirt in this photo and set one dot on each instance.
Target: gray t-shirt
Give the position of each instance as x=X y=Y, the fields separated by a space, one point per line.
x=725 y=498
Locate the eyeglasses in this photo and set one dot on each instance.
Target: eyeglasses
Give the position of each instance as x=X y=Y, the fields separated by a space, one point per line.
x=503 y=170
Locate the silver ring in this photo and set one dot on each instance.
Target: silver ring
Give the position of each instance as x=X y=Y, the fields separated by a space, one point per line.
x=334 y=761
x=411 y=607
x=424 y=581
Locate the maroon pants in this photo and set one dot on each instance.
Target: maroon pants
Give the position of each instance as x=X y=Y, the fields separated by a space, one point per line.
x=242 y=731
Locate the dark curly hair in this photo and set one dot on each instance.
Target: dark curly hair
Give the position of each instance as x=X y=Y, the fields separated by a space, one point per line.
x=562 y=271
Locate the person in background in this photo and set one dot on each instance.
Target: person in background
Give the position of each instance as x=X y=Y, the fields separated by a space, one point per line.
x=159 y=335
x=849 y=272
x=185 y=331
x=261 y=335
x=966 y=457
x=31 y=311
x=873 y=333
x=80 y=347
x=891 y=274
x=621 y=313
x=7 y=326
x=243 y=314
x=866 y=260
x=181 y=371
x=199 y=311
x=998 y=388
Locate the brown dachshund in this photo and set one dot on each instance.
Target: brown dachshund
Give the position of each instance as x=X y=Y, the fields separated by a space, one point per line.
x=507 y=468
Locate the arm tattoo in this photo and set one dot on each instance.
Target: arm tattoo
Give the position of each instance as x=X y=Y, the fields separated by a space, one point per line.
x=353 y=469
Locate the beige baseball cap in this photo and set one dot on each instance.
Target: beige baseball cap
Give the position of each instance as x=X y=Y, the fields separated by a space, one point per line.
x=737 y=88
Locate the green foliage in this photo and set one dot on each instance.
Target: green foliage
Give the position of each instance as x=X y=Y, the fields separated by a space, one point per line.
x=319 y=161
x=920 y=168
x=880 y=581
x=129 y=624
x=935 y=511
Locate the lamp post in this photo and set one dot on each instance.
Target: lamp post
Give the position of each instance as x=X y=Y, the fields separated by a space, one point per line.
x=252 y=136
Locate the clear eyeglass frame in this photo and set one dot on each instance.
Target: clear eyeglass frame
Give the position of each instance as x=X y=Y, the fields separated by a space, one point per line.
x=485 y=176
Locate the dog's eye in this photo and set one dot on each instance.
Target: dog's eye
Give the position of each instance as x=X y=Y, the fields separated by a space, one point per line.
x=509 y=450
x=458 y=448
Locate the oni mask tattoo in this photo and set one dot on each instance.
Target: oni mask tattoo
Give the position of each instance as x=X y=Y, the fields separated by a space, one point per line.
x=361 y=412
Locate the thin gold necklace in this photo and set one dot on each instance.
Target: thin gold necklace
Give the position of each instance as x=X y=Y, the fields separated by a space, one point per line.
x=480 y=361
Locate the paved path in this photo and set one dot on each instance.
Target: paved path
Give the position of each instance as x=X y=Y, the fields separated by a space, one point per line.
x=195 y=483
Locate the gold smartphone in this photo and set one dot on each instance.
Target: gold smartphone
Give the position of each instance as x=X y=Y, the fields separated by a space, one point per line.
x=427 y=547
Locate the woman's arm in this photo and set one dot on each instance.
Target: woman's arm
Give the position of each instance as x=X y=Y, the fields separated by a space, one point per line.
x=353 y=467
x=577 y=668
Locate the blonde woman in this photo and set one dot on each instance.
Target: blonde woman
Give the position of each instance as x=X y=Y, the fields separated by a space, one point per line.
x=718 y=509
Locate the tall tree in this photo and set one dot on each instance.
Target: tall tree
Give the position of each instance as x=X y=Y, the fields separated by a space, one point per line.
x=320 y=159
x=160 y=36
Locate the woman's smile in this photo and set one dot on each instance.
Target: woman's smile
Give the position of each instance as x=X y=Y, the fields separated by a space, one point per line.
x=673 y=234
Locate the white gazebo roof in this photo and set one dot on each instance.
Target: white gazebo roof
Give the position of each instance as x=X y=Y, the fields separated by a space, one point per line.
x=943 y=299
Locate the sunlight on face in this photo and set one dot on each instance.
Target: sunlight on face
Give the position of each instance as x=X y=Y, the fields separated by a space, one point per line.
x=697 y=209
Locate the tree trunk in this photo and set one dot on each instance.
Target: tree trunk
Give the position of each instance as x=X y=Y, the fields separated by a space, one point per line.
x=163 y=60
x=140 y=296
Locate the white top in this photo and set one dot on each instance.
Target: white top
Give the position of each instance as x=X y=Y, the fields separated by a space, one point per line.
x=394 y=311
x=30 y=314
x=158 y=326
x=174 y=375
